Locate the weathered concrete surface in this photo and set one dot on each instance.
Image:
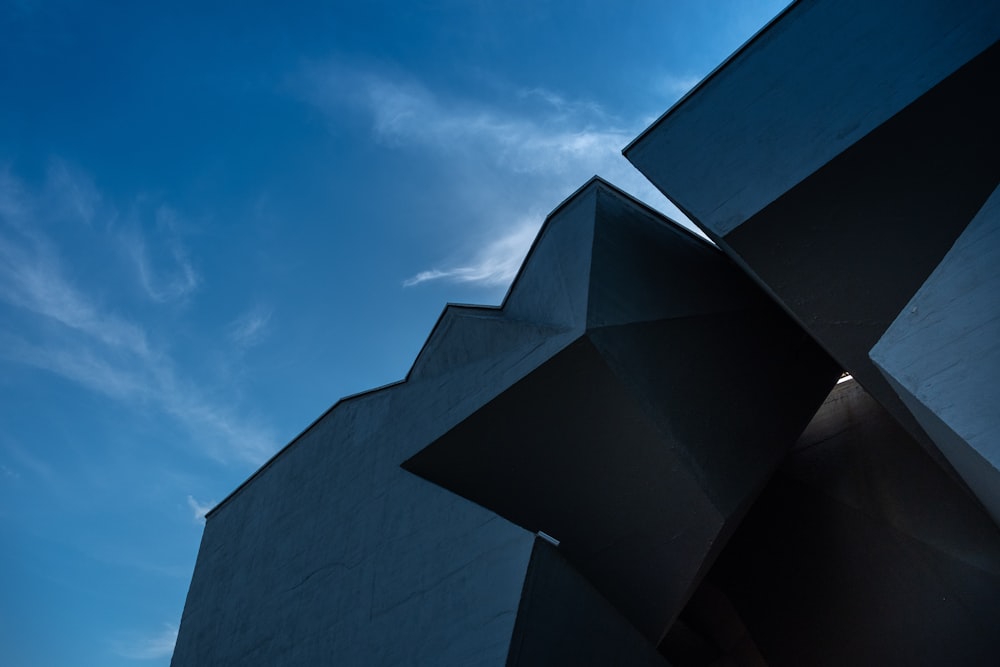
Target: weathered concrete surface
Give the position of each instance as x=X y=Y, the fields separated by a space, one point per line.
x=336 y=556
x=860 y=551
x=638 y=446
x=943 y=355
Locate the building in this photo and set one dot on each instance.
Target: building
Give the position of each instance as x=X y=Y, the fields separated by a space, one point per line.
x=647 y=455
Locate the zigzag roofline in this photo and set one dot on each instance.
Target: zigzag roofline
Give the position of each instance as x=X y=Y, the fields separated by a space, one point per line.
x=594 y=182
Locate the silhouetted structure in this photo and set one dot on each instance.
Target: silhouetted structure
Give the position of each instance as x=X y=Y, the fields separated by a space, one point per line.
x=617 y=466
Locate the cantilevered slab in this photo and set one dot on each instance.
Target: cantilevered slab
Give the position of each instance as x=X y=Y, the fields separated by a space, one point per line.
x=809 y=86
x=837 y=157
x=640 y=444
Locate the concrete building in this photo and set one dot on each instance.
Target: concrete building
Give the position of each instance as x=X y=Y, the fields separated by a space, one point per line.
x=847 y=159
x=644 y=456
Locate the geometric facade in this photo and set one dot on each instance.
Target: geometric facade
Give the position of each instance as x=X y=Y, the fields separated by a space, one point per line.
x=644 y=455
x=637 y=445
x=551 y=413
x=858 y=142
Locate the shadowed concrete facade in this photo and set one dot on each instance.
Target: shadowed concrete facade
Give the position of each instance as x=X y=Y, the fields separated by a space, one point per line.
x=641 y=396
x=860 y=551
x=332 y=546
x=839 y=176
x=644 y=414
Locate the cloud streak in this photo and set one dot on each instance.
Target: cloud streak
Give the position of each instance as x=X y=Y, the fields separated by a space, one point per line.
x=62 y=329
x=74 y=191
x=159 y=645
x=173 y=278
x=250 y=328
x=32 y=278
x=548 y=144
x=560 y=138
x=675 y=87
x=494 y=265
x=199 y=509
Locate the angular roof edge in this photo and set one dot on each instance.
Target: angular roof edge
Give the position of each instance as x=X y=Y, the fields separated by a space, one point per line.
x=711 y=75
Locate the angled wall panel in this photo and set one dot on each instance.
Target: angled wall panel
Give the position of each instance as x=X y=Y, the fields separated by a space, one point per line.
x=942 y=354
x=336 y=556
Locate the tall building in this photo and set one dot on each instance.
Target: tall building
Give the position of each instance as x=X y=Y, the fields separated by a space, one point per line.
x=650 y=453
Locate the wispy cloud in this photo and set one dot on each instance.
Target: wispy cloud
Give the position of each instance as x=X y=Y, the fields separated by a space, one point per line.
x=251 y=327
x=172 y=277
x=13 y=204
x=65 y=330
x=74 y=191
x=158 y=645
x=149 y=381
x=200 y=509
x=558 y=138
x=67 y=195
x=495 y=264
x=561 y=104
x=548 y=144
x=25 y=460
x=31 y=277
x=79 y=362
x=674 y=87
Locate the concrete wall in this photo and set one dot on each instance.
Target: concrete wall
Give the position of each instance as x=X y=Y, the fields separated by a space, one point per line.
x=337 y=556
x=942 y=354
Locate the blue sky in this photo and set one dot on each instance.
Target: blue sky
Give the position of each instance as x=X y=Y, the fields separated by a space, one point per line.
x=216 y=222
